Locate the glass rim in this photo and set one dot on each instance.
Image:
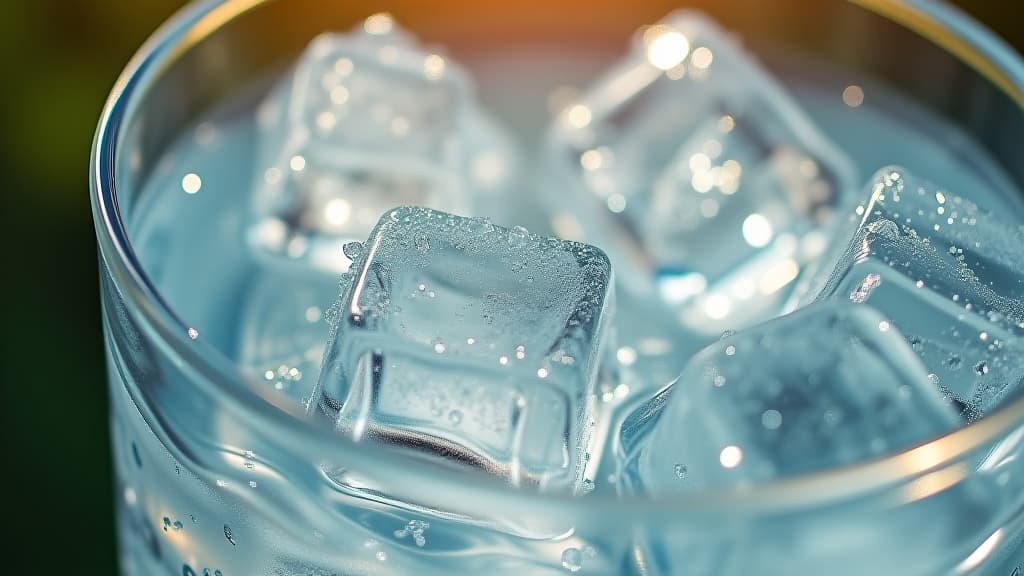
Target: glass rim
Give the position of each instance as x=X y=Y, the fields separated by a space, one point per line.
x=944 y=25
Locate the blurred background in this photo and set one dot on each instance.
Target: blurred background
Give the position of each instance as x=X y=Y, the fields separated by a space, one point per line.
x=60 y=59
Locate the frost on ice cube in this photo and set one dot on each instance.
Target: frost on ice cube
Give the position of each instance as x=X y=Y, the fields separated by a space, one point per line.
x=828 y=385
x=477 y=343
x=703 y=179
x=366 y=121
x=946 y=273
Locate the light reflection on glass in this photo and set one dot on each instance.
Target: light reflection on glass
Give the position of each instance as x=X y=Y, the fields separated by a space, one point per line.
x=666 y=48
x=717 y=306
x=578 y=116
x=702 y=57
x=853 y=96
x=757 y=230
x=191 y=183
x=379 y=24
x=679 y=287
x=433 y=66
x=731 y=456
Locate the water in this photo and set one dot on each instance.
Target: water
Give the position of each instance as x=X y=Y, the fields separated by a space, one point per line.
x=267 y=310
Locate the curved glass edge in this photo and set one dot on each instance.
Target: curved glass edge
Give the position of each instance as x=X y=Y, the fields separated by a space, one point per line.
x=961 y=35
x=217 y=375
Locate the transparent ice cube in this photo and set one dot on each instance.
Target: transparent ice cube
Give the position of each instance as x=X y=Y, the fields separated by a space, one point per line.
x=703 y=179
x=366 y=121
x=477 y=343
x=946 y=273
x=828 y=385
x=282 y=331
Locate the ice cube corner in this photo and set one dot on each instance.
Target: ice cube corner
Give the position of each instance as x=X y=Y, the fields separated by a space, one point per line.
x=363 y=123
x=943 y=270
x=709 y=185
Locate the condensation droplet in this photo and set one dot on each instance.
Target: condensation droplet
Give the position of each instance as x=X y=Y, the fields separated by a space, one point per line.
x=572 y=559
x=352 y=250
x=680 y=471
x=771 y=419
x=915 y=343
x=230 y=535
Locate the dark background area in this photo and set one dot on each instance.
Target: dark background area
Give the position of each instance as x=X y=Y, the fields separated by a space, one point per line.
x=60 y=58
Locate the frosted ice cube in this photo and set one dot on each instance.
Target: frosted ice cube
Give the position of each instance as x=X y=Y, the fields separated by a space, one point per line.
x=701 y=177
x=828 y=385
x=365 y=122
x=475 y=342
x=946 y=273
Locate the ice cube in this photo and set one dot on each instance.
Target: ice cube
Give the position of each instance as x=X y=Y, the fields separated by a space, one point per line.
x=946 y=273
x=478 y=343
x=365 y=122
x=282 y=331
x=703 y=179
x=830 y=384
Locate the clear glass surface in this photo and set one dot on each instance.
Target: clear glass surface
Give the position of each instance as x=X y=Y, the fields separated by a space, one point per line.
x=216 y=471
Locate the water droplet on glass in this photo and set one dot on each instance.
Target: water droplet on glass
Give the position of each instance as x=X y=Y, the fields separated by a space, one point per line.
x=572 y=559
x=414 y=528
x=230 y=535
x=915 y=343
x=771 y=419
x=455 y=417
x=981 y=368
x=352 y=250
x=680 y=471
x=587 y=487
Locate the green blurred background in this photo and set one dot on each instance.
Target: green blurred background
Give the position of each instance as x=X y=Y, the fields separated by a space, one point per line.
x=60 y=59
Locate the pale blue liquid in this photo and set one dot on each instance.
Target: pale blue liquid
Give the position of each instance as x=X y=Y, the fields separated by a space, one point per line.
x=193 y=247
